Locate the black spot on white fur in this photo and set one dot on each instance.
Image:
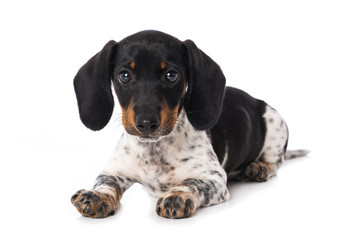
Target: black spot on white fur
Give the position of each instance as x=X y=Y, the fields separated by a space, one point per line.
x=158 y=168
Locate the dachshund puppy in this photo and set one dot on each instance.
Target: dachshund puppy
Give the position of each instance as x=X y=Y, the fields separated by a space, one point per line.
x=186 y=133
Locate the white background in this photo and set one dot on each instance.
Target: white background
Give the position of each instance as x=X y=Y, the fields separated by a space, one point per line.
x=302 y=57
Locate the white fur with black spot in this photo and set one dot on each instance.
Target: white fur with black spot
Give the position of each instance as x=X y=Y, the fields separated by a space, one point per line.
x=276 y=137
x=160 y=165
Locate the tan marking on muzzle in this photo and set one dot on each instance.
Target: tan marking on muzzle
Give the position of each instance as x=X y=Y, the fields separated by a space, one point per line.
x=128 y=119
x=168 y=116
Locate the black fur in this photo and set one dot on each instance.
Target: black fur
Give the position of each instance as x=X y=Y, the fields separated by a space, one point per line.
x=149 y=89
x=206 y=88
x=93 y=91
x=240 y=127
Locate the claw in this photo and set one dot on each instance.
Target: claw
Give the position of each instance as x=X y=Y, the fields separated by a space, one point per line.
x=175 y=205
x=94 y=204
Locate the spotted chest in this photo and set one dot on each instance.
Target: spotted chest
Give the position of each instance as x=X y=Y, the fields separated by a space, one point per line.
x=184 y=153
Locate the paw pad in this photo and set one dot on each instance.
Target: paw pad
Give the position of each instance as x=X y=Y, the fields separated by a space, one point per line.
x=175 y=205
x=93 y=204
x=256 y=171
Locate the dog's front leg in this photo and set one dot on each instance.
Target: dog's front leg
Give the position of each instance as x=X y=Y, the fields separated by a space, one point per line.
x=104 y=198
x=182 y=200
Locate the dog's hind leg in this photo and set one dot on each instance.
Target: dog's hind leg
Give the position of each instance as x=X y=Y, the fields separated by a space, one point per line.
x=260 y=171
x=273 y=152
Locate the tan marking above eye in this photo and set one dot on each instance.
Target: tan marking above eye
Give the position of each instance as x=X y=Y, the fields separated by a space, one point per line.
x=132 y=65
x=162 y=65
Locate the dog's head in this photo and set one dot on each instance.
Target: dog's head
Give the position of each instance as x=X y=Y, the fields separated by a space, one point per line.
x=154 y=76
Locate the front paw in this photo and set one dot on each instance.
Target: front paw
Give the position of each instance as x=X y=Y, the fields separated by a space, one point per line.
x=176 y=205
x=91 y=203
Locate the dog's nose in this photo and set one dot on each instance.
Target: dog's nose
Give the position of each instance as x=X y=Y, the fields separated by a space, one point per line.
x=147 y=124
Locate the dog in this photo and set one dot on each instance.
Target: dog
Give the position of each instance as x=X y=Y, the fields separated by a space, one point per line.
x=186 y=133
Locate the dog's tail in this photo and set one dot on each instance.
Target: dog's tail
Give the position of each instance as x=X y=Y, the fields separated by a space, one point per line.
x=296 y=153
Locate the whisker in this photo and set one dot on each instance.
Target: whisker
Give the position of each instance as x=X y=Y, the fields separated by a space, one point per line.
x=117 y=121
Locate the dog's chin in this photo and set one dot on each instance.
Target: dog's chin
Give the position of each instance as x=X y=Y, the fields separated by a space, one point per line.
x=151 y=138
x=148 y=139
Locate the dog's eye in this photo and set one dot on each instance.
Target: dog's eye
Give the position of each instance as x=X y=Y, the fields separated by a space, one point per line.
x=124 y=77
x=172 y=76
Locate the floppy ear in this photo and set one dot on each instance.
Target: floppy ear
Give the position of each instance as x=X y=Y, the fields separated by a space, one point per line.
x=93 y=89
x=206 y=84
